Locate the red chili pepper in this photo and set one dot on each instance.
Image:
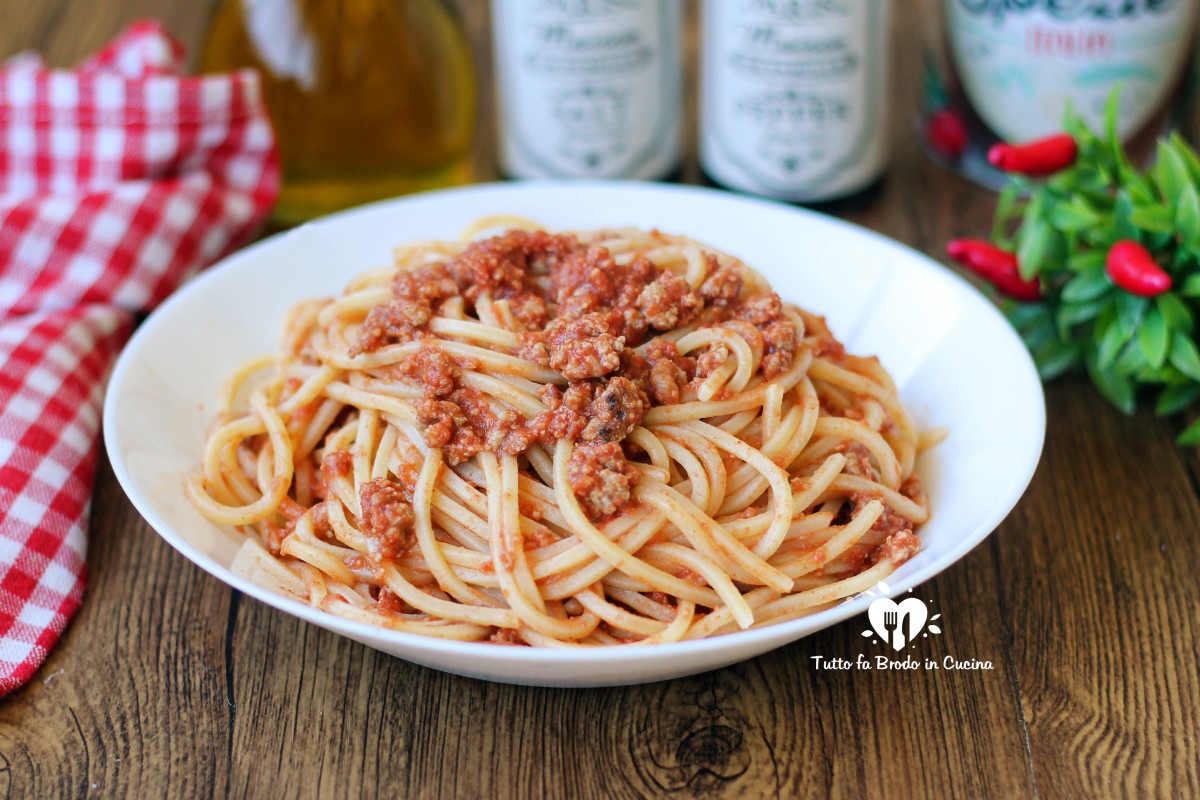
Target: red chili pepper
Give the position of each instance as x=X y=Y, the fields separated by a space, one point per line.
x=998 y=267
x=1039 y=157
x=947 y=133
x=1131 y=267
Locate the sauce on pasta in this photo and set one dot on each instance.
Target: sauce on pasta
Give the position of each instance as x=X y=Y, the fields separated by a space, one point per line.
x=564 y=439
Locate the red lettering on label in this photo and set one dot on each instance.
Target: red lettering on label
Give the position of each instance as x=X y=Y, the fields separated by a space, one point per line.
x=1068 y=43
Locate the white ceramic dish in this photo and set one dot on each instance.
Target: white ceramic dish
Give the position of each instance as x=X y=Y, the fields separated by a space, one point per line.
x=955 y=359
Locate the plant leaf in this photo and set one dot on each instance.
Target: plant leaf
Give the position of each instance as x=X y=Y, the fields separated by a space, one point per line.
x=1130 y=310
x=1186 y=154
x=1131 y=361
x=1190 y=435
x=1024 y=314
x=1115 y=388
x=1072 y=314
x=1187 y=215
x=1174 y=399
x=1056 y=357
x=1153 y=218
x=1153 y=338
x=1087 y=260
x=1174 y=311
x=1073 y=216
x=1123 y=227
x=1033 y=244
x=1110 y=339
x=1191 y=286
x=1170 y=173
x=1184 y=356
x=1086 y=286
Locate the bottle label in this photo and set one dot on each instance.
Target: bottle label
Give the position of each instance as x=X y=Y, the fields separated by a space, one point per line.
x=1021 y=62
x=793 y=102
x=588 y=88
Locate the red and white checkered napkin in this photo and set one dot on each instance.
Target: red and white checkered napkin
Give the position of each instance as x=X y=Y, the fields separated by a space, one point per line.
x=118 y=180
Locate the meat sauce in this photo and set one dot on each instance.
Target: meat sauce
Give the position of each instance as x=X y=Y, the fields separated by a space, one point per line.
x=583 y=314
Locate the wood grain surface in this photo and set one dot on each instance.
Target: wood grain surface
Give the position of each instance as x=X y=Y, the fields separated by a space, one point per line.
x=1086 y=600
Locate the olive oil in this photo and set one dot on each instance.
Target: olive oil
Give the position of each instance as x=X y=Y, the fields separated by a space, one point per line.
x=369 y=98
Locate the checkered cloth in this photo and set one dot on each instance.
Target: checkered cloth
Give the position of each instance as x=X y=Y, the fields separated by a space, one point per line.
x=118 y=180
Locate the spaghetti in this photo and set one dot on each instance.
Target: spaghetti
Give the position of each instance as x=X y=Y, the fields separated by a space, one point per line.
x=563 y=439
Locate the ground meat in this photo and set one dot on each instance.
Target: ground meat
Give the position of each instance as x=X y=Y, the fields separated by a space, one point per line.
x=723 y=284
x=666 y=381
x=661 y=349
x=584 y=313
x=493 y=428
x=828 y=346
x=534 y=348
x=668 y=302
x=564 y=416
x=858 y=460
x=320 y=521
x=539 y=536
x=911 y=488
x=601 y=478
x=506 y=636
x=710 y=360
x=889 y=522
x=388 y=602
x=761 y=309
x=440 y=417
x=435 y=371
x=397 y=321
x=387 y=519
x=335 y=464
x=899 y=547
x=504 y=268
x=586 y=346
x=779 y=348
x=448 y=427
x=415 y=295
x=590 y=280
x=617 y=410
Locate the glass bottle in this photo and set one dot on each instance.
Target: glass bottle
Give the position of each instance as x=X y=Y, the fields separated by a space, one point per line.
x=998 y=70
x=369 y=98
x=793 y=96
x=588 y=88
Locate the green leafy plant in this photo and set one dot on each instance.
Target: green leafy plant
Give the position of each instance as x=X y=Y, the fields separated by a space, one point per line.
x=1114 y=253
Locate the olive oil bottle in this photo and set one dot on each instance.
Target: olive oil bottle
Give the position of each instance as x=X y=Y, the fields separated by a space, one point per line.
x=369 y=98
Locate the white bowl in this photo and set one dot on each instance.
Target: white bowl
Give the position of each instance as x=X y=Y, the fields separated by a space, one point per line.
x=955 y=359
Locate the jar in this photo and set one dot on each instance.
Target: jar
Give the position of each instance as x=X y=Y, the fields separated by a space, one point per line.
x=793 y=96
x=369 y=98
x=999 y=70
x=588 y=88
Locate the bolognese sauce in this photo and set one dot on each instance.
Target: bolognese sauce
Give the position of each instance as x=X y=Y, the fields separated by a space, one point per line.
x=583 y=313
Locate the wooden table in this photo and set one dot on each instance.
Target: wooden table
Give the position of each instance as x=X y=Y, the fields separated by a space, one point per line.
x=1086 y=600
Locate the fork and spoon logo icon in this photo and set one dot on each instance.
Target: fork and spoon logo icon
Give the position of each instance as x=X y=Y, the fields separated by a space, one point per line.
x=899 y=624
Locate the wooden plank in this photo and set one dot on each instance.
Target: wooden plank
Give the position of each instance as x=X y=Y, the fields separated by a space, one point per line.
x=27 y=28
x=1100 y=590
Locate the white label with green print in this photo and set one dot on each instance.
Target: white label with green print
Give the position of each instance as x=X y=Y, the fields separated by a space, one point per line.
x=793 y=97
x=588 y=88
x=1020 y=63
